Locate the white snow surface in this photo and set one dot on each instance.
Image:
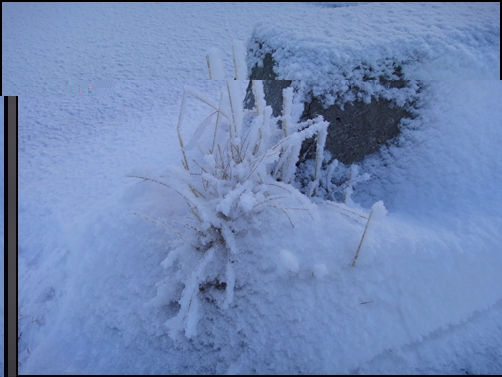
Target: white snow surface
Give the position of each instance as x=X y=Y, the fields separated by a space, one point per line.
x=424 y=296
x=96 y=247
x=46 y=47
x=427 y=40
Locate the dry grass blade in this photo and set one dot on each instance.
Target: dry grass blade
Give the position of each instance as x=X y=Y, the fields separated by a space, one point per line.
x=258 y=162
x=189 y=203
x=282 y=155
x=345 y=209
x=199 y=165
x=283 y=210
x=234 y=56
x=302 y=209
x=180 y=120
x=150 y=179
x=268 y=199
x=161 y=222
x=196 y=192
x=362 y=239
x=217 y=123
x=206 y=101
x=281 y=187
x=208 y=62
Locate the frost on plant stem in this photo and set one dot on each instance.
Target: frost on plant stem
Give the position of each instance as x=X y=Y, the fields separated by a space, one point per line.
x=215 y=64
x=378 y=211
x=236 y=163
x=239 y=55
x=333 y=180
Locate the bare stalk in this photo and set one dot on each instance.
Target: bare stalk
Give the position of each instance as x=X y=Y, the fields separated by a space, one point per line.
x=209 y=66
x=282 y=209
x=180 y=120
x=349 y=183
x=362 y=239
x=236 y=71
x=217 y=123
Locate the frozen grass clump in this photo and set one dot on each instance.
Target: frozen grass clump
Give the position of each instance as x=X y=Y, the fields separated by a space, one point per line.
x=335 y=181
x=237 y=163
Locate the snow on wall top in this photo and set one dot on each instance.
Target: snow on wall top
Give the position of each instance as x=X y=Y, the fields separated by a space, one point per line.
x=429 y=40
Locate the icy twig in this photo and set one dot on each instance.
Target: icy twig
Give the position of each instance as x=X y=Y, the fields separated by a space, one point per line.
x=239 y=55
x=235 y=107
x=215 y=64
x=217 y=124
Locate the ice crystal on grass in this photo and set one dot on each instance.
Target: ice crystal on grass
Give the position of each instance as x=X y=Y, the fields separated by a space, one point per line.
x=236 y=164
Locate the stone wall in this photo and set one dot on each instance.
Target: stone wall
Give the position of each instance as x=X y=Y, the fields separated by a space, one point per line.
x=356 y=131
x=273 y=95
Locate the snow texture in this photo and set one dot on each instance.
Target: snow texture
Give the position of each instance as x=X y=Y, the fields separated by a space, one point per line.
x=215 y=64
x=103 y=258
x=426 y=275
x=288 y=261
x=239 y=53
x=426 y=41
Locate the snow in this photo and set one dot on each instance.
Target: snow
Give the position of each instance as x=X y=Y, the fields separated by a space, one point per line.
x=46 y=44
x=320 y=270
x=117 y=276
x=289 y=261
x=421 y=276
x=239 y=54
x=419 y=40
x=215 y=64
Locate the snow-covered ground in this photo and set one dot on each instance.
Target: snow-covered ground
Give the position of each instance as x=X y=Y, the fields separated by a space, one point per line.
x=89 y=266
x=45 y=44
x=94 y=295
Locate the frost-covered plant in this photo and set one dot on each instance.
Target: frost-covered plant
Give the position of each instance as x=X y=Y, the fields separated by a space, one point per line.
x=215 y=62
x=335 y=181
x=236 y=163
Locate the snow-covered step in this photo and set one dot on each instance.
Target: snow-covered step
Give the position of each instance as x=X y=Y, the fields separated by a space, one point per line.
x=390 y=40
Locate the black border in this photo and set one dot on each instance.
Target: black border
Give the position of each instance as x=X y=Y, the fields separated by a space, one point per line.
x=10 y=229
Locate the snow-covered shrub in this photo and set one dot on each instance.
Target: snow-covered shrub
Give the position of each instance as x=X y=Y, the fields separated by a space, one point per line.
x=236 y=163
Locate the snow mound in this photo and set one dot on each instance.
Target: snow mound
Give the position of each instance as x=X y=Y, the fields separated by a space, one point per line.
x=289 y=261
x=409 y=282
x=425 y=287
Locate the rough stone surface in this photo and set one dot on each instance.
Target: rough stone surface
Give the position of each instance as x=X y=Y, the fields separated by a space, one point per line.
x=265 y=72
x=273 y=94
x=358 y=130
